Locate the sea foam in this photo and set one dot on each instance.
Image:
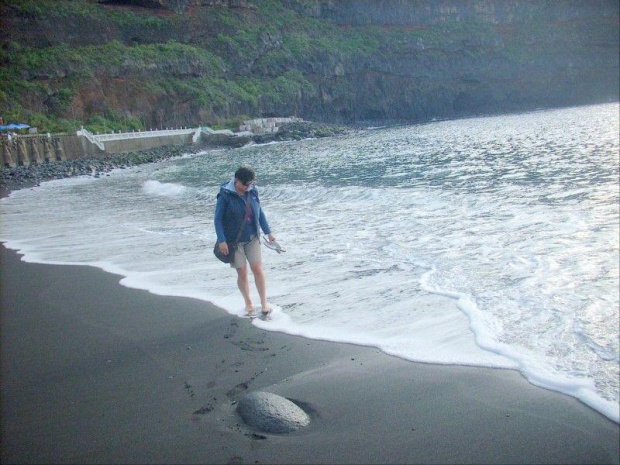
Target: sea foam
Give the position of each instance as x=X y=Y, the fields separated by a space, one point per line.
x=164 y=189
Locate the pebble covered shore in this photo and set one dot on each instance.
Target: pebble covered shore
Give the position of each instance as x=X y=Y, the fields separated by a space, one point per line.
x=32 y=175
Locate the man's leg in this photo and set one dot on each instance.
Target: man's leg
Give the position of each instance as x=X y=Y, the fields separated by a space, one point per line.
x=261 y=284
x=244 y=287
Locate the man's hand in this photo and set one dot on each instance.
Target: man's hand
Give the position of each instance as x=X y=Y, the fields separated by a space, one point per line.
x=223 y=248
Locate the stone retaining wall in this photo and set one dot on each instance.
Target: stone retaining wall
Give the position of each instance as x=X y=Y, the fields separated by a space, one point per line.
x=24 y=150
x=266 y=125
x=145 y=143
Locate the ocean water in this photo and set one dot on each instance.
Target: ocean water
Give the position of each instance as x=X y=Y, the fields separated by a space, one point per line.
x=490 y=241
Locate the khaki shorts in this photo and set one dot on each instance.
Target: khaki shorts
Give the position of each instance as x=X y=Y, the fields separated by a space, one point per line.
x=249 y=251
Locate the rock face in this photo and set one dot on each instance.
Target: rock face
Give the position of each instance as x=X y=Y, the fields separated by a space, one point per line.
x=271 y=413
x=172 y=63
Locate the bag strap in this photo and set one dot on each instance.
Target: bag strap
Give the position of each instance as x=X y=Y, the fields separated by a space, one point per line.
x=248 y=208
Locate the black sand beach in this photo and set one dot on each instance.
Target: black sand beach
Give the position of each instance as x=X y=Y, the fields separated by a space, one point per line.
x=93 y=372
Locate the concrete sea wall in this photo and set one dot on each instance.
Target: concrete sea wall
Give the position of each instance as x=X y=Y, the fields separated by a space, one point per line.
x=135 y=145
x=23 y=150
x=26 y=149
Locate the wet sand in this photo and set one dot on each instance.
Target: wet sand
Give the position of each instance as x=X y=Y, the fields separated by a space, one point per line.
x=93 y=372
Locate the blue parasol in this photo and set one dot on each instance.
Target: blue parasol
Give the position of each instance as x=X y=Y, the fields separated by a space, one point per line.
x=14 y=126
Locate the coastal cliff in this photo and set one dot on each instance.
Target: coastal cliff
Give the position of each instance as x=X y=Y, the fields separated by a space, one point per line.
x=114 y=64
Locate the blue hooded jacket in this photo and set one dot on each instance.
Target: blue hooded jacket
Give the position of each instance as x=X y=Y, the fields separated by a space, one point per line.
x=230 y=212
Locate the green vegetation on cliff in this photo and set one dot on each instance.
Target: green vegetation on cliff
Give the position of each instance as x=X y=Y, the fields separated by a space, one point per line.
x=71 y=62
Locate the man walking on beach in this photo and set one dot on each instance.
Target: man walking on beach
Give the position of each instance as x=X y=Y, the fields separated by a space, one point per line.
x=238 y=214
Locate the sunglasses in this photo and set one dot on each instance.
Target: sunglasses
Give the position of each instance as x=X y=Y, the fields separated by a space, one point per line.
x=249 y=183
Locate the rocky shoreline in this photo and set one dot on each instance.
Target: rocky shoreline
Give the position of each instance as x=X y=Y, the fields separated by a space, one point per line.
x=32 y=175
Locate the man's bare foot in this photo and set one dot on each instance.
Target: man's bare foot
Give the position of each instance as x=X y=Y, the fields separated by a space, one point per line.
x=265 y=314
x=249 y=310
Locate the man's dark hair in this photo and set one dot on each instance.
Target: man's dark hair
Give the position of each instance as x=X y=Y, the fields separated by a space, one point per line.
x=245 y=174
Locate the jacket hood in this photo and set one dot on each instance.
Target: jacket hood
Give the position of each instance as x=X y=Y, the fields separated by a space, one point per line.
x=229 y=187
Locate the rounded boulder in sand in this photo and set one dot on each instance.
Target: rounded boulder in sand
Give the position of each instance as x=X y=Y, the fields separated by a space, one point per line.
x=271 y=413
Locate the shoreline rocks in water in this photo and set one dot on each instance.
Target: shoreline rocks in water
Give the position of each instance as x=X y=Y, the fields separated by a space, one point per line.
x=303 y=130
x=32 y=175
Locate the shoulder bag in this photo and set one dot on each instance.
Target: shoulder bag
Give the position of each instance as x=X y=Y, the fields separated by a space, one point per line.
x=232 y=245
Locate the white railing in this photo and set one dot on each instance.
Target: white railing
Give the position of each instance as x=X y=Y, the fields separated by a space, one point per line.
x=226 y=132
x=91 y=137
x=100 y=139
x=144 y=134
